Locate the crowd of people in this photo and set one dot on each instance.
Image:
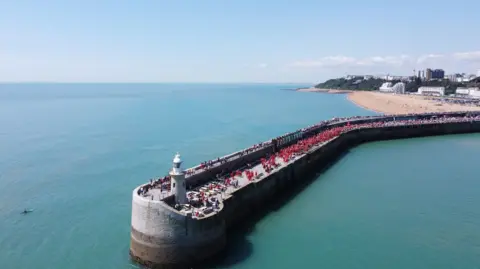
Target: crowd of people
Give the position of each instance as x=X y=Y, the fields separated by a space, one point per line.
x=236 y=179
x=460 y=100
x=163 y=184
x=302 y=146
x=221 y=160
x=206 y=196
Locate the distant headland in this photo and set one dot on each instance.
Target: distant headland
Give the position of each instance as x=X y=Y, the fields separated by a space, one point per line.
x=403 y=95
x=324 y=90
x=348 y=83
x=345 y=85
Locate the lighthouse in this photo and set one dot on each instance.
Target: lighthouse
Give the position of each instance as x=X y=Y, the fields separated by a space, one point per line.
x=178 y=185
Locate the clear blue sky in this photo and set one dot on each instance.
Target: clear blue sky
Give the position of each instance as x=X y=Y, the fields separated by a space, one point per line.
x=233 y=41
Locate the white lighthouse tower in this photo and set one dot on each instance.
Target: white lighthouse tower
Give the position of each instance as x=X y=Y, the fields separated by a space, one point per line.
x=178 y=185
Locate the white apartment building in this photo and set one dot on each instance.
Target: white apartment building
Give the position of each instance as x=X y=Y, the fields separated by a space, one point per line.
x=437 y=91
x=473 y=92
x=397 y=88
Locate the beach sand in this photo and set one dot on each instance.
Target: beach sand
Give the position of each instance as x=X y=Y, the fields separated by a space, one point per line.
x=403 y=104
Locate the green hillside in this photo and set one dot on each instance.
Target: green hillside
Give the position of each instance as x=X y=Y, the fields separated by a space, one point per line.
x=373 y=84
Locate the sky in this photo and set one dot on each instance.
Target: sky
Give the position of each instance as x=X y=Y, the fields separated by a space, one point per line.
x=233 y=41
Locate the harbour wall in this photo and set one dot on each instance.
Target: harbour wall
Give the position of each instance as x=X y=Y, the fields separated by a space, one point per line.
x=252 y=197
x=238 y=160
x=162 y=237
x=165 y=238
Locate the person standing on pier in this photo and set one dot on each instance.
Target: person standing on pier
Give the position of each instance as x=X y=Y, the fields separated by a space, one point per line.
x=274 y=145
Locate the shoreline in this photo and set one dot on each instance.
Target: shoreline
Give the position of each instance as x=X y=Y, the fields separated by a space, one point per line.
x=393 y=104
x=319 y=90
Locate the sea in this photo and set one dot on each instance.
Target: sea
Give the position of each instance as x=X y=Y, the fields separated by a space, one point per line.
x=73 y=153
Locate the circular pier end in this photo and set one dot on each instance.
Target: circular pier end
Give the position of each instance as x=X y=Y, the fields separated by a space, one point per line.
x=162 y=237
x=174 y=256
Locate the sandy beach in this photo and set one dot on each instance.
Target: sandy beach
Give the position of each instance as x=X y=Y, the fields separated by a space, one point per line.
x=403 y=104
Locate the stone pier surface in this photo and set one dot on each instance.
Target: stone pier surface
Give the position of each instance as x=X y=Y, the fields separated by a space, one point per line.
x=167 y=235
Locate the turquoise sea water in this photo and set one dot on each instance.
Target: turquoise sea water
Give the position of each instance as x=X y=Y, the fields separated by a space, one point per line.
x=74 y=152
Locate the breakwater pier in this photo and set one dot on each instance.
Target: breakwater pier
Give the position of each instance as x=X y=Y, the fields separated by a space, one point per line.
x=181 y=219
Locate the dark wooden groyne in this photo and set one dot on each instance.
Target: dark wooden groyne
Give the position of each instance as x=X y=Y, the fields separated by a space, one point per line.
x=163 y=237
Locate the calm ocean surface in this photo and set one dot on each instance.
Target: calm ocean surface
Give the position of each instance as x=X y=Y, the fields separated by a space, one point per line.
x=74 y=153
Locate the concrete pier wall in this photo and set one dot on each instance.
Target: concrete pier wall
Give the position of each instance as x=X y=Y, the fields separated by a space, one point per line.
x=252 y=196
x=288 y=140
x=164 y=238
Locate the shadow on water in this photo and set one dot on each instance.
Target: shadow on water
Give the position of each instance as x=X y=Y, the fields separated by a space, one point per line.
x=239 y=248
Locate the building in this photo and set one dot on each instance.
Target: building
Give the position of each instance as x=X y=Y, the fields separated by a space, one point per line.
x=428 y=74
x=177 y=176
x=475 y=81
x=434 y=74
x=436 y=91
x=461 y=77
x=438 y=74
x=452 y=77
x=397 y=88
x=386 y=87
x=390 y=78
x=358 y=81
x=462 y=92
x=352 y=77
x=472 y=92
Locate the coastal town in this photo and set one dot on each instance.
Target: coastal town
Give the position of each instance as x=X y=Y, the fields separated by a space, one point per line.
x=429 y=90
